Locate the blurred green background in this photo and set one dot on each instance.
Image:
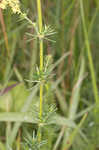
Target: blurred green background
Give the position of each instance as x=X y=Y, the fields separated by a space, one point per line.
x=74 y=88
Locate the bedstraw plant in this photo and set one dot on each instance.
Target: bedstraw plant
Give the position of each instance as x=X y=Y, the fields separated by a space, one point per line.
x=42 y=72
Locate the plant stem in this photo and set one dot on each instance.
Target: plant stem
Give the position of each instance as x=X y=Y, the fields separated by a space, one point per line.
x=39 y=15
x=74 y=133
x=91 y=65
x=4 y=33
x=41 y=52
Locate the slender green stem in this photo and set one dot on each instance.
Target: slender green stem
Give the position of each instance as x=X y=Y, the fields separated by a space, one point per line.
x=41 y=52
x=30 y=21
x=41 y=100
x=74 y=133
x=39 y=15
x=91 y=66
x=41 y=62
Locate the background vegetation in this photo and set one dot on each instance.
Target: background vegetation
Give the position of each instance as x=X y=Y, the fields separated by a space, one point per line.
x=73 y=87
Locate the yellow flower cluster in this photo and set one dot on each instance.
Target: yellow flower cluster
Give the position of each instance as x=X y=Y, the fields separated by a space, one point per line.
x=13 y=4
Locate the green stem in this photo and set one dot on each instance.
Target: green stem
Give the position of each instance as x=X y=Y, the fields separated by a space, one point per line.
x=41 y=61
x=41 y=52
x=39 y=15
x=32 y=23
x=91 y=66
x=74 y=133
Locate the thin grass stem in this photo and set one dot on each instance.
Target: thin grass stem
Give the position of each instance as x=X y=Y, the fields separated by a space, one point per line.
x=91 y=66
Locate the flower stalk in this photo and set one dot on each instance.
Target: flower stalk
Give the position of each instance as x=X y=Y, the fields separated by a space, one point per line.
x=39 y=10
x=41 y=52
